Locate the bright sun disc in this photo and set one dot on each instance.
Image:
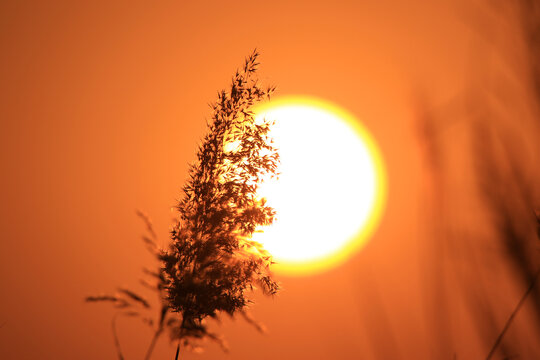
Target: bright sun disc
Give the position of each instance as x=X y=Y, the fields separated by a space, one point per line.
x=331 y=188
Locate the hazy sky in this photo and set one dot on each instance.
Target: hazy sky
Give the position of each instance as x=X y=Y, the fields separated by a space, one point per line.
x=102 y=106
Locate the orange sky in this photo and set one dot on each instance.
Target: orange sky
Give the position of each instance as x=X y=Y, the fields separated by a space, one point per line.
x=102 y=106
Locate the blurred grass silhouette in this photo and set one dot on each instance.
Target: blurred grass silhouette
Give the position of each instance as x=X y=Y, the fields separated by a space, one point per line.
x=482 y=151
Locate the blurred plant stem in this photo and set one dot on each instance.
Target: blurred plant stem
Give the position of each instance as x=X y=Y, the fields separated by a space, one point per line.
x=512 y=316
x=153 y=342
x=116 y=341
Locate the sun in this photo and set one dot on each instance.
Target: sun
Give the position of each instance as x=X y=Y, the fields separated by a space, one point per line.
x=331 y=189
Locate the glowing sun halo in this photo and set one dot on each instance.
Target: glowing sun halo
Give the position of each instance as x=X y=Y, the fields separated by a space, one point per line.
x=331 y=188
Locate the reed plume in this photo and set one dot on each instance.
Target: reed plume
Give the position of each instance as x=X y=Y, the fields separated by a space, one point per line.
x=212 y=262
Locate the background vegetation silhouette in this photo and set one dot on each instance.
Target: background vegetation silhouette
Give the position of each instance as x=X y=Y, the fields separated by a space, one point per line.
x=482 y=150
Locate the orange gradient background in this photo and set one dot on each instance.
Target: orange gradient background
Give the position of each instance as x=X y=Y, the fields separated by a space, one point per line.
x=102 y=106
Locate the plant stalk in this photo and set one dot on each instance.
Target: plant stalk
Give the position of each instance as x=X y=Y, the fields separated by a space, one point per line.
x=512 y=316
x=153 y=343
x=116 y=341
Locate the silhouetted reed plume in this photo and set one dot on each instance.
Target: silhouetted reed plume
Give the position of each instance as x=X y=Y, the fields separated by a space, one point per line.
x=212 y=262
